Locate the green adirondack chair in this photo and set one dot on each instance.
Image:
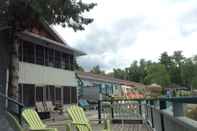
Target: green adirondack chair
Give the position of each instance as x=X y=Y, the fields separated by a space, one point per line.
x=80 y=121
x=13 y=122
x=34 y=121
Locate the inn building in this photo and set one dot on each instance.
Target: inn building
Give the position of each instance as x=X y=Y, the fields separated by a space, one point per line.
x=46 y=67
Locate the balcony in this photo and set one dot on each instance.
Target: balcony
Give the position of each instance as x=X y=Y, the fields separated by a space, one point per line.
x=45 y=75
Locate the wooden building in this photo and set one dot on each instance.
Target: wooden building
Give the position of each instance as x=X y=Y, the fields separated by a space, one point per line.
x=46 y=67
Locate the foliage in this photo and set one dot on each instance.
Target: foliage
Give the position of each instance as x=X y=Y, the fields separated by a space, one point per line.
x=156 y=73
x=170 y=70
x=194 y=82
x=119 y=73
x=64 y=12
x=96 y=70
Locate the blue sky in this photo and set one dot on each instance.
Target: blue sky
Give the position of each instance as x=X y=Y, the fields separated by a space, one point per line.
x=128 y=30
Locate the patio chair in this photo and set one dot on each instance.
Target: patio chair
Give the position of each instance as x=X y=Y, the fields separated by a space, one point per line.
x=40 y=107
x=49 y=106
x=34 y=121
x=13 y=122
x=80 y=121
x=42 y=110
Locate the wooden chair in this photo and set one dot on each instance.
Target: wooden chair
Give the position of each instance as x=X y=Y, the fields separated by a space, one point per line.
x=13 y=122
x=49 y=106
x=39 y=107
x=80 y=121
x=34 y=121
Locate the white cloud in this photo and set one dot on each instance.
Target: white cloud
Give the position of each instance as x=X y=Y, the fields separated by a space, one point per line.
x=126 y=30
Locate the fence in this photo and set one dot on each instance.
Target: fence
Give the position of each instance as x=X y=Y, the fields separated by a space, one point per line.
x=164 y=114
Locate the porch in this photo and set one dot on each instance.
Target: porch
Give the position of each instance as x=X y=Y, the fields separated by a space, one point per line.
x=30 y=94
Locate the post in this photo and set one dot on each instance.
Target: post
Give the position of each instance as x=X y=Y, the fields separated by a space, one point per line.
x=112 y=108
x=178 y=109
x=151 y=111
x=99 y=111
x=162 y=105
x=100 y=104
x=19 y=114
x=140 y=107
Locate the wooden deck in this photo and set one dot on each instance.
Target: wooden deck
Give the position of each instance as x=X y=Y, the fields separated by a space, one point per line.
x=115 y=127
x=62 y=119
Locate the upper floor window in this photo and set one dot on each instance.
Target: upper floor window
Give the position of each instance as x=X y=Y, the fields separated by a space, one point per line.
x=57 y=59
x=39 y=55
x=28 y=53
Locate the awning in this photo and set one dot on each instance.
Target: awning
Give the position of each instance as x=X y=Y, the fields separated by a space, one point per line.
x=40 y=40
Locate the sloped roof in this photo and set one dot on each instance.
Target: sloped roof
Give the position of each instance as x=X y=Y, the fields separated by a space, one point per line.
x=131 y=83
x=104 y=78
x=31 y=37
x=96 y=77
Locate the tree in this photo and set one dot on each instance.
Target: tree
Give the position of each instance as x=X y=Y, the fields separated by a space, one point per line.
x=194 y=82
x=79 y=68
x=188 y=72
x=175 y=72
x=96 y=70
x=18 y=14
x=157 y=73
x=119 y=74
x=166 y=60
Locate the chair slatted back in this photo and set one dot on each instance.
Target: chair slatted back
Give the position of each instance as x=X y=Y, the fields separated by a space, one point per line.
x=77 y=115
x=40 y=107
x=13 y=122
x=32 y=119
x=49 y=105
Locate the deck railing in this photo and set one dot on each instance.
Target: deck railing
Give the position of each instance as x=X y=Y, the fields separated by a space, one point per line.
x=163 y=114
x=5 y=101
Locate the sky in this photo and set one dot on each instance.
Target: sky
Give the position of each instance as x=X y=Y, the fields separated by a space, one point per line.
x=128 y=30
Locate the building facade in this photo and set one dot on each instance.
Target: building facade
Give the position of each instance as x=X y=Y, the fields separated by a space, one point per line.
x=46 y=67
x=93 y=86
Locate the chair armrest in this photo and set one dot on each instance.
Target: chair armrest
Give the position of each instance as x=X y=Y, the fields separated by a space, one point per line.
x=81 y=124
x=66 y=125
x=44 y=129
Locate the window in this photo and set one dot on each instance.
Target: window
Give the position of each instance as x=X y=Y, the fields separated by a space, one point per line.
x=73 y=95
x=57 y=59
x=39 y=94
x=52 y=93
x=39 y=55
x=71 y=62
x=67 y=95
x=28 y=52
x=63 y=62
x=20 y=52
x=49 y=56
x=28 y=94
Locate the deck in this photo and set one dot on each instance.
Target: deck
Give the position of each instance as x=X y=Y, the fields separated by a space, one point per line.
x=92 y=116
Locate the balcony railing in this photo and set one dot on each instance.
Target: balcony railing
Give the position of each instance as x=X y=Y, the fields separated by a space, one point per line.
x=163 y=114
